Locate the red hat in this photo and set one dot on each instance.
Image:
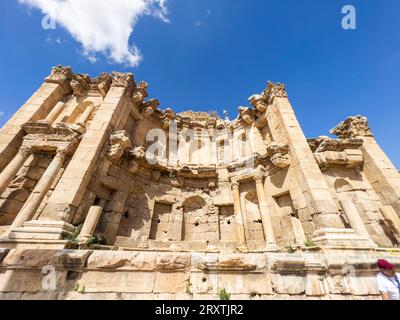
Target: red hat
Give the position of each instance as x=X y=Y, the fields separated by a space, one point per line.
x=385 y=265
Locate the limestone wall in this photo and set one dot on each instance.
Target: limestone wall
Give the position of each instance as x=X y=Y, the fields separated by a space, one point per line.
x=88 y=274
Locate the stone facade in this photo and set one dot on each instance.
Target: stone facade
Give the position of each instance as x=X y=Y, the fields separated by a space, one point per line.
x=128 y=201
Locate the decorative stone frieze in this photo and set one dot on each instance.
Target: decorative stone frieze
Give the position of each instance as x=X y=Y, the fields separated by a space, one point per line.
x=279 y=155
x=353 y=127
x=274 y=90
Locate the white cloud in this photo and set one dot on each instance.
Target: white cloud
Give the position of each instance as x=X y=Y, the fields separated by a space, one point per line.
x=102 y=25
x=201 y=21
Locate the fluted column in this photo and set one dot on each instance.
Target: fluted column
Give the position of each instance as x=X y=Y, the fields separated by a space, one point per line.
x=238 y=214
x=53 y=115
x=40 y=191
x=352 y=214
x=13 y=167
x=92 y=219
x=265 y=217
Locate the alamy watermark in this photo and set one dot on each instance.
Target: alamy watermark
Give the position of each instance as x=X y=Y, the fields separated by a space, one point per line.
x=187 y=146
x=349 y=21
x=48 y=23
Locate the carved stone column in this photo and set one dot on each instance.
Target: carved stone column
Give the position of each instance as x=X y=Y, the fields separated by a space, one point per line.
x=40 y=191
x=238 y=214
x=85 y=116
x=265 y=216
x=352 y=214
x=13 y=167
x=53 y=115
x=91 y=221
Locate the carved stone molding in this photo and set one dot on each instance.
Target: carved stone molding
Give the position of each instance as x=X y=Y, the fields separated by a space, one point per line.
x=274 y=90
x=80 y=84
x=150 y=107
x=279 y=155
x=353 y=127
x=259 y=102
x=168 y=116
x=247 y=115
x=120 y=142
x=121 y=79
x=140 y=93
x=103 y=83
x=60 y=74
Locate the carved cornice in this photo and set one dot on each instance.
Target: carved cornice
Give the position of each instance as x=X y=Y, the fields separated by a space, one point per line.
x=353 y=127
x=150 y=107
x=247 y=115
x=279 y=154
x=61 y=75
x=120 y=142
x=121 y=79
x=259 y=102
x=140 y=93
x=80 y=84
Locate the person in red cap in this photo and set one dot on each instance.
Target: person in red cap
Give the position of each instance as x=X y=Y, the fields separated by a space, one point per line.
x=388 y=281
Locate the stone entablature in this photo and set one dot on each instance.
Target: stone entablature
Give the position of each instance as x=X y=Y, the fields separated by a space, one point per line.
x=99 y=154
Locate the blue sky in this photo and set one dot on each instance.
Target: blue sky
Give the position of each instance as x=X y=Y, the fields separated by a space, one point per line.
x=214 y=54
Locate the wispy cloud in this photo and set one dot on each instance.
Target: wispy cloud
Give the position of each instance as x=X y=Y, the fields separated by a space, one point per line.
x=102 y=26
x=201 y=21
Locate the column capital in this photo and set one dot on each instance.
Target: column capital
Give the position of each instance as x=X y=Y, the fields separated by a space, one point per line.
x=65 y=151
x=353 y=127
x=274 y=90
x=235 y=185
x=122 y=79
x=25 y=151
x=259 y=177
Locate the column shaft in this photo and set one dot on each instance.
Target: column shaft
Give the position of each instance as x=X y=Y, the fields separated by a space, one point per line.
x=40 y=191
x=238 y=214
x=265 y=217
x=53 y=115
x=12 y=169
x=92 y=219
x=354 y=218
x=85 y=115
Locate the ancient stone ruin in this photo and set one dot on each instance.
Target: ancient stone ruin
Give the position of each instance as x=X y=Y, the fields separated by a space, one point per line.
x=106 y=195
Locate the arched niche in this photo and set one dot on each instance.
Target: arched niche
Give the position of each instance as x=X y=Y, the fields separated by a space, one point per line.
x=195 y=219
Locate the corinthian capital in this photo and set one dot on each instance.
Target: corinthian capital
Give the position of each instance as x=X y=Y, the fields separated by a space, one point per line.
x=121 y=79
x=235 y=185
x=25 y=151
x=275 y=90
x=353 y=127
